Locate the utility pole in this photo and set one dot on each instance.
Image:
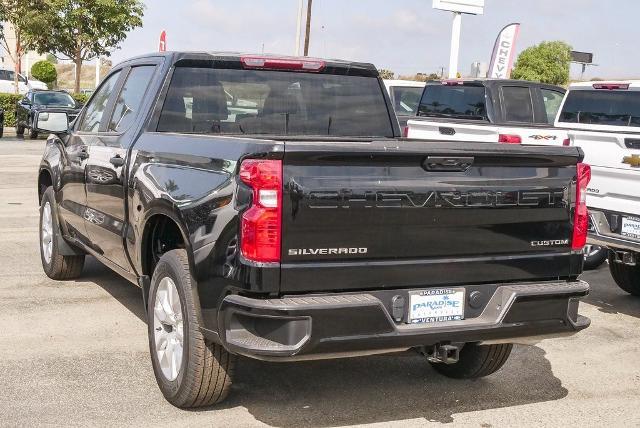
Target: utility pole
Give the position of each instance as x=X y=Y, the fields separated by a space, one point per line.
x=308 y=30
x=299 y=26
x=455 y=45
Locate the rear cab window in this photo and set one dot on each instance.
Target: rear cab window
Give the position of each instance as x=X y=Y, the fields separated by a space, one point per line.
x=456 y=101
x=406 y=99
x=602 y=107
x=517 y=104
x=235 y=101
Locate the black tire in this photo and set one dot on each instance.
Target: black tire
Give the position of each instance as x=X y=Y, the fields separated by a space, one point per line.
x=19 y=130
x=627 y=277
x=595 y=257
x=58 y=266
x=1 y=128
x=33 y=135
x=205 y=373
x=476 y=361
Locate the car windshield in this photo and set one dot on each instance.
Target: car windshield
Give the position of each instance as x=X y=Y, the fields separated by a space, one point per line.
x=455 y=101
x=53 y=99
x=598 y=107
x=262 y=102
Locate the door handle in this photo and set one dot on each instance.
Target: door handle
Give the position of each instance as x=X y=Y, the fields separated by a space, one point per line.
x=447 y=163
x=117 y=161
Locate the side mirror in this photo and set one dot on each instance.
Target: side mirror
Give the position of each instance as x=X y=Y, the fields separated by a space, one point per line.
x=55 y=123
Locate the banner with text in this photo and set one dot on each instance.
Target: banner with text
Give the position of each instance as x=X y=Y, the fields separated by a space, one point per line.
x=503 y=52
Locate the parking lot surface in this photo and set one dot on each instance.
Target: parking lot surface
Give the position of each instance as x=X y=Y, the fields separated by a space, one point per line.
x=76 y=353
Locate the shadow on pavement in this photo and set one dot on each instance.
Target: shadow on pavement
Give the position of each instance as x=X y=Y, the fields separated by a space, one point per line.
x=607 y=296
x=363 y=390
x=128 y=294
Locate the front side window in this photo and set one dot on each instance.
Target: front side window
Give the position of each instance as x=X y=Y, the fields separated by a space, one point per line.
x=454 y=101
x=130 y=98
x=518 y=106
x=95 y=109
x=406 y=99
x=263 y=102
x=552 y=100
x=53 y=99
x=602 y=107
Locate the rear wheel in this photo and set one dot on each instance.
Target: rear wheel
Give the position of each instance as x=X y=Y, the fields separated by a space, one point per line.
x=476 y=361
x=190 y=371
x=627 y=277
x=54 y=264
x=33 y=135
x=594 y=256
x=19 y=130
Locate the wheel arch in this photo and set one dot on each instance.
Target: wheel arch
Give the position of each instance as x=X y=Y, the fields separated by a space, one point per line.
x=45 y=179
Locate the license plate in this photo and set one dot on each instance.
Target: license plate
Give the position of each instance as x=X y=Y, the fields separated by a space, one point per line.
x=436 y=305
x=630 y=227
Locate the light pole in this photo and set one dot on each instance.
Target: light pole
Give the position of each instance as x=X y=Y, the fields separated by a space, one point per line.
x=299 y=26
x=455 y=45
x=307 y=33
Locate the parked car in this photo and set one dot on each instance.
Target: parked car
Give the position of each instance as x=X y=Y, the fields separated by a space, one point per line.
x=603 y=118
x=7 y=83
x=45 y=110
x=489 y=110
x=405 y=97
x=306 y=228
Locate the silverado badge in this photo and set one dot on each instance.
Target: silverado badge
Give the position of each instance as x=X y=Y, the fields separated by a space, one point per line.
x=633 y=160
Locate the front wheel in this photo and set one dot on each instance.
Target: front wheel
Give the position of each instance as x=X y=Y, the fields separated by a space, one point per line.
x=626 y=276
x=33 y=135
x=190 y=371
x=594 y=256
x=19 y=130
x=476 y=361
x=54 y=264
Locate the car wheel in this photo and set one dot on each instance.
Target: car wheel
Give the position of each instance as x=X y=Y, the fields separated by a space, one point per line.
x=594 y=256
x=476 y=361
x=54 y=264
x=1 y=128
x=190 y=371
x=627 y=277
x=33 y=135
x=19 y=130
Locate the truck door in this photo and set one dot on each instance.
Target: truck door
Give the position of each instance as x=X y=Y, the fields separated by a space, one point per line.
x=106 y=166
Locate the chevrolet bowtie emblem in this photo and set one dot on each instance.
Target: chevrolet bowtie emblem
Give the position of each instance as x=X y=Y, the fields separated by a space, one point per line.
x=633 y=160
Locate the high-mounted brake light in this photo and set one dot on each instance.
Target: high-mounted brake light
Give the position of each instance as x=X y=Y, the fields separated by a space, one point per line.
x=261 y=223
x=580 y=212
x=610 y=86
x=291 y=64
x=452 y=82
x=405 y=131
x=509 y=139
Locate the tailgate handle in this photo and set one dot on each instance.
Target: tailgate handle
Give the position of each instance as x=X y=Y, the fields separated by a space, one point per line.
x=447 y=163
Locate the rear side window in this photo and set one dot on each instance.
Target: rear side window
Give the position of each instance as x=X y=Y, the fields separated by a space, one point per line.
x=552 y=100
x=517 y=104
x=263 y=102
x=455 y=101
x=130 y=98
x=602 y=107
x=406 y=99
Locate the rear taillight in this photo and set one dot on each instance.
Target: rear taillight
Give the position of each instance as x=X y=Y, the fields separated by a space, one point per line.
x=261 y=224
x=509 y=139
x=405 y=131
x=566 y=142
x=580 y=213
x=290 y=64
x=611 y=86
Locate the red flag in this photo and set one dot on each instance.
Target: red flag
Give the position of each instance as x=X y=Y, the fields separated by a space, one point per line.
x=162 y=46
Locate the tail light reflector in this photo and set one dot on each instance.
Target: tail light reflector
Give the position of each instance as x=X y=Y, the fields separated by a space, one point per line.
x=580 y=213
x=509 y=139
x=290 y=64
x=566 y=142
x=405 y=131
x=261 y=224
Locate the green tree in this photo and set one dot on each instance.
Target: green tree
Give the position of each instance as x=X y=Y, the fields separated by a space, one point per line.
x=386 y=74
x=45 y=72
x=81 y=29
x=547 y=62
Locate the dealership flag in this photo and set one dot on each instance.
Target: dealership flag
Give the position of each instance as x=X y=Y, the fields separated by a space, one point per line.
x=503 y=51
x=162 y=46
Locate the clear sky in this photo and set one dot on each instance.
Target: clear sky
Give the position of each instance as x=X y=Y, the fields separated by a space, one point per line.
x=406 y=36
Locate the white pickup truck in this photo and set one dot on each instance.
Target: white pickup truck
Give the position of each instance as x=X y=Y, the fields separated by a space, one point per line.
x=490 y=111
x=603 y=118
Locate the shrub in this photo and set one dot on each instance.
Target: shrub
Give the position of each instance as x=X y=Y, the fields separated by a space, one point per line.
x=8 y=104
x=45 y=72
x=81 y=98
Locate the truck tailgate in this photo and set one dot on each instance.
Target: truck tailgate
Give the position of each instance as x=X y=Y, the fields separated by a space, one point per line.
x=387 y=214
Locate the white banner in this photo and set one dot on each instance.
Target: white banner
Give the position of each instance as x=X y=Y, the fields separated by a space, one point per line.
x=503 y=52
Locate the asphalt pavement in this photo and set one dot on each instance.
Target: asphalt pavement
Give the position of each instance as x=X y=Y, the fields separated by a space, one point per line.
x=75 y=353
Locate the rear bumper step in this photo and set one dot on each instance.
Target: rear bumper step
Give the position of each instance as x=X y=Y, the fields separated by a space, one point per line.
x=600 y=232
x=325 y=326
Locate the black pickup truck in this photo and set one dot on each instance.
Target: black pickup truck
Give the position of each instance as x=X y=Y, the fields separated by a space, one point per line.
x=267 y=207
